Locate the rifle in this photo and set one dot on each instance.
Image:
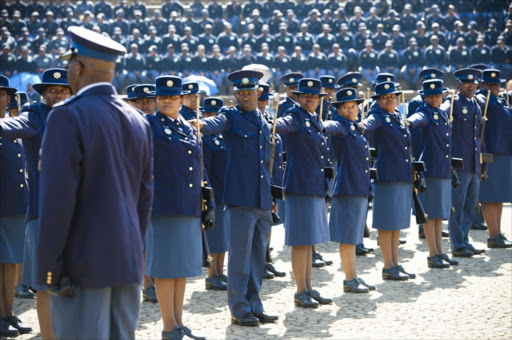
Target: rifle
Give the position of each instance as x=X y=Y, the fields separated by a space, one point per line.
x=18 y=101
x=275 y=190
x=328 y=170
x=207 y=196
x=485 y=157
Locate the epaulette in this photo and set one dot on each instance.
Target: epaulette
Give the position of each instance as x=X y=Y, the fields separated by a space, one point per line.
x=65 y=102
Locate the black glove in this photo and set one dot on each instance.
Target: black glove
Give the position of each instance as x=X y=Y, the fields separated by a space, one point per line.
x=328 y=199
x=371 y=197
x=64 y=289
x=421 y=185
x=455 y=179
x=275 y=218
x=408 y=124
x=208 y=219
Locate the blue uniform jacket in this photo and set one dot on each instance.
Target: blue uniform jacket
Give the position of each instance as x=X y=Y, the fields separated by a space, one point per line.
x=247 y=136
x=436 y=143
x=284 y=106
x=353 y=175
x=95 y=192
x=187 y=113
x=393 y=144
x=498 y=128
x=215 y=158
x=307 y=152
x=278 y=164
x=176 y=167
x=466 y=127
x=13 y=186
x=416 y=133
x=29 y=125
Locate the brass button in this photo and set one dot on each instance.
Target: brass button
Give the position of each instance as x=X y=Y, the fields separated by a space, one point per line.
x=261 y=176
x=191 y=185
x=21 y=185
x=191 y=168
x=366 y=171
x=406 y=148
x=21 y=170
x=189 y=152
x=447 y=156
x=261 y=147
x=19 y=155
x=405 y=135
x=447 y=145
x=261 y=162
x=407 y=160
x=15 y=141
x=322 y=170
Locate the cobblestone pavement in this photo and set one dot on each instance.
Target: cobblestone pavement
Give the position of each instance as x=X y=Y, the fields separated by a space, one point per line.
x=472 y=300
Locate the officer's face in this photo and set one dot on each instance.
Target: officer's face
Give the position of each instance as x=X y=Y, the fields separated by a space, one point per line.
x=54 y=94
x=169 y=105
x=4 y=100
x=262 y=105
x=493 y=87
x=348 y=110
x=330 y=92
x=467 y=90
x=190 y=101
x=434 y=100
x=13 y=112
x=308 y=101
x=289 y=92
x=146 y=105
x=247 y=99
x=387 y=102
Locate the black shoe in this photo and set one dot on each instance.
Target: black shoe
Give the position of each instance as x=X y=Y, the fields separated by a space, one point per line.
x=437 y=262
x=369 y=250
x=479 y=226
x=321 y=300
x=224 y=278
x=248 y=319
x=304 y=300
x=402 y=270
x=498 y=242
x=317 y=263
x=185 y=330
x=269 y=267
x=445 y=234
x=149 y=294
x=175 y=334
x=402 y=241
x=452 y=262
x=354 y=286
x=267 y=275
x=393 y=274
x=463 y=252
x=6 y=329
x=476 y=251
x=366 y=231
x=265 y=318
x=361 y=251
x=16 y=323
x=321 y=258
x=23 y=292
x=215 y=283
x=370 y=287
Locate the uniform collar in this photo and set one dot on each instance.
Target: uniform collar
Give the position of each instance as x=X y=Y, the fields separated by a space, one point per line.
x=90 y=86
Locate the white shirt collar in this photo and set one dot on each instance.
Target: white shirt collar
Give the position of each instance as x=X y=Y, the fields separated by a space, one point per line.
x=90 y=86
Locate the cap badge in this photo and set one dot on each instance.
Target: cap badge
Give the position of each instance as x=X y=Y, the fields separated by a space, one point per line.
x=388 y=119
x=436 y=117
x=217 y=142
x=432 y=86
x=470 y=77
x=386 y=86
x=146 y=90
x=493 y=75
x=388 y=79
x=260 y=89
x=168 y=131
x=213 y=102
x=354 y=80
x=190 y=86
x=352 y=127
x=310 y=84
x=292 y=80
x=245 y=81
x=349 y=93
x=330 y=80
x=57 y=75
x=133 y=89
x=432 y=75
x=169 y=83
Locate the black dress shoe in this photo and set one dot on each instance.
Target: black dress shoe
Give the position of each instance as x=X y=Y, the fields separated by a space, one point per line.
x=215 y=283
x=267 y=275
x=6 y=329
x=402 y=270
x=321 y=258
x=354 y=286
x=23 y=292
x=175 y=334
x=265 y=318
x=274 y=271
x=452 y=262
x=479 y=226
x=401 y=241
x=321 y=300
x=393 y=274
x=361 y=251
x=370 y=287
x=149 y=294
x=304 y=300
x=436 y=262
x=248 y=319
x=16 y=323
x=445 y=234
x=463 y=252
x=476 y=251
x=317 y=263
x=223 y=278
x=185 y=330
x=498 y=242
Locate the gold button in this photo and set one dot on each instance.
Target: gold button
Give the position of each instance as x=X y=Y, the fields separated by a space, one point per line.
x=328 y=149
x=189 y=152
x=191 y=185
x=405 y=135
x=21 y=170
x=15 y=141
x=261 y=147
x=322 y=157
x=191 y=168
x=261 y=162
x=475 y=138
x=19 y=155
x=245 y=136
x=447 y=134
x=261 y=176
x=475 y=149
x=447 y=145
x=21 y=185
x=407 y=161
x=322 y=170
x=367 y=159
x=323 y=143
x=366 y=146
x=261 y=132
x=447 y=156
x=186 y=138
x=366 y=171
x=280 y=155
x=406 y=148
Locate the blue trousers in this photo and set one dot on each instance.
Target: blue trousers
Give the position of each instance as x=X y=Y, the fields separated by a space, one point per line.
x=96 y=313
x=464 y=200
x=249 y=230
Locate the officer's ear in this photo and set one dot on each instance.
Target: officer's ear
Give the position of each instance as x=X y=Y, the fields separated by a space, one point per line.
x=260 y=91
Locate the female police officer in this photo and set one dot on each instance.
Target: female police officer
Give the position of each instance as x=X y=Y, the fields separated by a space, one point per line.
x=306 y=187
x=174 y=239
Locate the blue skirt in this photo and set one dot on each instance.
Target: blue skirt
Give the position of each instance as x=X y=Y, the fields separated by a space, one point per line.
x=281 y=205
x=28 y=276
x=306 y=220
x=437 y=200
x=392 y=205
x=12 y=238
x=174 y=248
x=218 y=237
x=498 y=187
x=348 y=217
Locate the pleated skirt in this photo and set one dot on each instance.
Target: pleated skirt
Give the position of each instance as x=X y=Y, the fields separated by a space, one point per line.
x=12 y=238
x=348 y=218
x=306 y=220
x=392 y=205
x=218 y=237
x=437 y=200
x=498 y=187
x=29 y=274
x=174 y=248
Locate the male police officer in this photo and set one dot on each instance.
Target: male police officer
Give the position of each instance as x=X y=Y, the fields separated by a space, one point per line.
x=247 y=196
x=92 y=229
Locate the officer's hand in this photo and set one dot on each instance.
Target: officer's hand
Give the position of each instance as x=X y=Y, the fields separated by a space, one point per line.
x=483 y=175
x=64 y=289
x=194 y=123
x=421 y=185
x=275 y=208
x=208 y=219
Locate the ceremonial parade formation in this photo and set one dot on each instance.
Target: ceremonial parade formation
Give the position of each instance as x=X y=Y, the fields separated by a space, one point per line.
x=124 y=174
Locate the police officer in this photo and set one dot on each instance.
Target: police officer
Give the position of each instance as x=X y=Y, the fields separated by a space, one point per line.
x=100 y=172
x=247 y=196
x=30 y=125
x=144 y=98
x=13 y=206
x=13 y=107
x=436 y=153
x=498 y=141
x=189 y=105
x=215 y=157
x=306 y=187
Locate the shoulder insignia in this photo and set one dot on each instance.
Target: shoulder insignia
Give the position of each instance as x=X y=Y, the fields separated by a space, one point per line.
x=65 y=102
